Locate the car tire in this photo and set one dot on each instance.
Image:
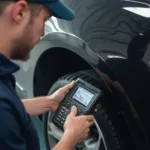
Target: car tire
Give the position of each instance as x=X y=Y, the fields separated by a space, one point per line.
x=104 y=116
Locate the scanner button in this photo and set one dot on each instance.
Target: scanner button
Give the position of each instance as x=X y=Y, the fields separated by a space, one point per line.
x=68 y=104
x=60 y=114
x=64 y=108
x=62 y=111
x=63 y=119
x=79 y=112
x=62 y=122
x=58 y=119
x=66 y=113
x=67 y=110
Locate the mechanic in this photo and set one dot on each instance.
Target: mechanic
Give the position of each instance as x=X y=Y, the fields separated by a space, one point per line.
x=21 y=26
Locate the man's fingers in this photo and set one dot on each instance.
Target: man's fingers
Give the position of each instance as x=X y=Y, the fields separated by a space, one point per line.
x=72 y=84
x=90 y=118
x=91 y=123
x=73 y=111
x=67 y=87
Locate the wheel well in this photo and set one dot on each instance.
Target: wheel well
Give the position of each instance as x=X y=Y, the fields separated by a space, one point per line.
x=53 y=64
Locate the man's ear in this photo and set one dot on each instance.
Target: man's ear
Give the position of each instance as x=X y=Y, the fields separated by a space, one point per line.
x=20 y=11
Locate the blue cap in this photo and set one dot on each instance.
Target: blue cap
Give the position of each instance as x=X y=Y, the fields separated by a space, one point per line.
x=59 y=9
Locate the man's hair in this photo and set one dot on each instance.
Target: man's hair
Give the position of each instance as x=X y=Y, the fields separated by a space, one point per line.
x=3 y=5
x=34 y=7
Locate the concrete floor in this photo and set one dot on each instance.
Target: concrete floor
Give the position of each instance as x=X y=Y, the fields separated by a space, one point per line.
x=38 y=126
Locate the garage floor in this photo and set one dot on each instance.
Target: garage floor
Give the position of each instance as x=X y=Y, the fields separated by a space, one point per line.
x=38 y=126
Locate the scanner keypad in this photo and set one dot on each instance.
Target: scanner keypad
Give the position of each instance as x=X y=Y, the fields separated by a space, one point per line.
x=60 y=117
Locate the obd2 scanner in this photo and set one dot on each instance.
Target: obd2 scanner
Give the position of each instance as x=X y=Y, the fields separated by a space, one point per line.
x=83 y=95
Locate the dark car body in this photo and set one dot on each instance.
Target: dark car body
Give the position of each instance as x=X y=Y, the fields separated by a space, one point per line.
x=110 y=36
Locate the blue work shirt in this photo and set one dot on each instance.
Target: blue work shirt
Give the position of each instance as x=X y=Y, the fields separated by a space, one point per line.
x=16 y=129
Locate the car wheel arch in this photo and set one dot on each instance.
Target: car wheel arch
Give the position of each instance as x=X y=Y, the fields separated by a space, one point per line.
x=54 y=63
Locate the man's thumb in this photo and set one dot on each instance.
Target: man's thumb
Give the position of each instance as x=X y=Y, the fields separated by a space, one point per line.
x=74 y=110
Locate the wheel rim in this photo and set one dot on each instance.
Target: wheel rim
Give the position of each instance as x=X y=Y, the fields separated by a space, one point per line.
x=55 y=134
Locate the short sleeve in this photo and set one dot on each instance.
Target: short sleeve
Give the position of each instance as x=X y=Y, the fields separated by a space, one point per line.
x=10 y=133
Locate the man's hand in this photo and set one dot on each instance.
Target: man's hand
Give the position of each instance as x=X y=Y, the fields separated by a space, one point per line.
x=59 y=95
x=77 y=127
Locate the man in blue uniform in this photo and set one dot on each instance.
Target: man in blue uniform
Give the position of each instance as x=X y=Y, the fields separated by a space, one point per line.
x=21 y=26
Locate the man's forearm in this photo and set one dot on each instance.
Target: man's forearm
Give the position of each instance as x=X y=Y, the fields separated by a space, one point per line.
x=66 y=143
x=37 y=106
